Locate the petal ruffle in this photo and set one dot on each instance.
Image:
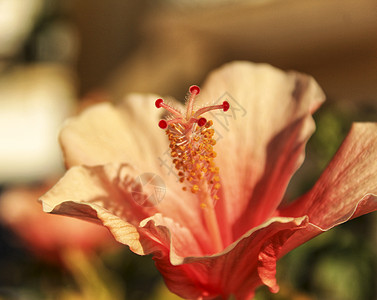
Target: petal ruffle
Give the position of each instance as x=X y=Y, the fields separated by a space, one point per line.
x=238 y=270
x=110 y=187
x=346 y=189
x=110 y=194
x=261 y=139
x=178 y=241
x=104 y=134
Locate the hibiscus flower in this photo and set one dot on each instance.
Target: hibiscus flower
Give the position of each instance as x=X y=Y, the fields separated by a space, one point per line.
x=219 y=229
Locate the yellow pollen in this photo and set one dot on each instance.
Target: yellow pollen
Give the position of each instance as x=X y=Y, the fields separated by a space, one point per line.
x=194 y=189
x=209 y=124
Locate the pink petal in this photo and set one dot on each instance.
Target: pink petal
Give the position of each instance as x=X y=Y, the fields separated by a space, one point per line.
x=261 y=142
x=103 y=134
x=238 y=270
x=106 y=194
x=178 y=241
x=345 y=190
x=109 y=187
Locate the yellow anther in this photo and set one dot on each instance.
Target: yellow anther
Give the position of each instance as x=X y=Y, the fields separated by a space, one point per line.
x=193 y=156
x=209 y=148
x=195 y=189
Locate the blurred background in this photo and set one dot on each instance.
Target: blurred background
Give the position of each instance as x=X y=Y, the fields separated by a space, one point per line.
x=57 y=56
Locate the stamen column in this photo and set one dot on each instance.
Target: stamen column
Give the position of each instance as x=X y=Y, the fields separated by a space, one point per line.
x=191 y=143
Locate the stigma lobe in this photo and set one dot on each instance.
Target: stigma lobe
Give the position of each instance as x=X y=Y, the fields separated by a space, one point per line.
x=191 y=118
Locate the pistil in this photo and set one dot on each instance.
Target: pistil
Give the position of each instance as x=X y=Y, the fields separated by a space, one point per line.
x=191 y=142
x=209 y=214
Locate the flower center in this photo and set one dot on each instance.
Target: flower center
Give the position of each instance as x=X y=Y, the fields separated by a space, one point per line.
x=191 y=143
x=193 y=156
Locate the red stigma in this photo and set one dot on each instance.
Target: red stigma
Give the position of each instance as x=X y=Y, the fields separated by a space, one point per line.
x=158 y=103
x=226 y=105
x=187 y=120
x=162 y=124
x=194 y=89
x=202 y=122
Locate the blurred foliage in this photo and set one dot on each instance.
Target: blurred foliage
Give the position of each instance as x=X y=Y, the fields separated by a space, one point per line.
x=162 y=293
x=138 y=274
x=336 y=265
